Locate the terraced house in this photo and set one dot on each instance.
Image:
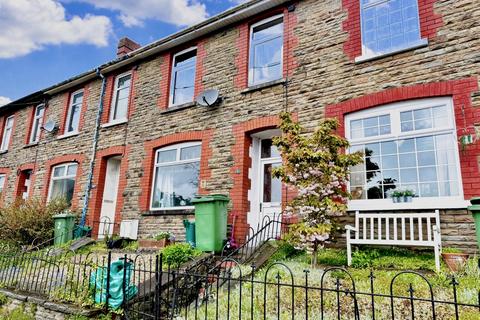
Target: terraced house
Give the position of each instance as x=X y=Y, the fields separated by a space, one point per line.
x=401 y=76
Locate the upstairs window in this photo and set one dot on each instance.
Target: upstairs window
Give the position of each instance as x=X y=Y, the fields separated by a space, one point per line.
x=176 y=176
x=389 y=26
x=73 y=115
x=266 y=51
x=37 y=123
x=7 y=133
x=121 y=97
x=406 y=146
x=62 y=183
x=2 y=183
x=183 y=77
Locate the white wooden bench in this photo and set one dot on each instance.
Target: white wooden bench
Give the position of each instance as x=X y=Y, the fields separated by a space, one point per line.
x=396 y=229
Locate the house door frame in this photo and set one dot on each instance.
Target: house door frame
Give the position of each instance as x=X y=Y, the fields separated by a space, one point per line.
x=109 y=197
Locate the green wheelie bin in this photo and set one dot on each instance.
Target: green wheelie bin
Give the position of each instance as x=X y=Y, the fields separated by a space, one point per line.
x=64 y=225
x=475 y=210
x=211 y=222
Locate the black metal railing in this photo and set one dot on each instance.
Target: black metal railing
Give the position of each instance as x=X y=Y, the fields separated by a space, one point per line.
x=149 y=288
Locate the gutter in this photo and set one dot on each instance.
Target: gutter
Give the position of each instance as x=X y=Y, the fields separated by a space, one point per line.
x=222 y=20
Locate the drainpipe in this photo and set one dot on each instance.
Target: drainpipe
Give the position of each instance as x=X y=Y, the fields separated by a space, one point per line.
x=88 y=188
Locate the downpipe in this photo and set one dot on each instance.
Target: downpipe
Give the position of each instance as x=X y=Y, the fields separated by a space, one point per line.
x=88 y=187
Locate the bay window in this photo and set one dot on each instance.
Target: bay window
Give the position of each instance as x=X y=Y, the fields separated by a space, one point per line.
x=406 y=146
x=62 y=181
x=176 y=176
x=389 y=26
x=183 y=77
x=266 y=51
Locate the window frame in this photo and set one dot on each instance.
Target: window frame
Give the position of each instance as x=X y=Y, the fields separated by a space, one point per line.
x=173 y=78
x=52 y=178
x=69 y=113
x=414 y=45
x=251 y=77
x=2 y=185
x=113 y=103
x=37 y=120
x=4 y=148
x=394 y=110
x=177 y=147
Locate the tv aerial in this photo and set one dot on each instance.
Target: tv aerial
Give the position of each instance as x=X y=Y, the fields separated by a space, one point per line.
x=208 y=98
x=50 y=126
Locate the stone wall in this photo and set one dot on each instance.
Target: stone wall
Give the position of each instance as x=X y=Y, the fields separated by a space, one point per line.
x=320 y=72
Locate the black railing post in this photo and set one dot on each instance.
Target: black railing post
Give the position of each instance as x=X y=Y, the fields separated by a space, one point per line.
x=372 y=277
x=454 y=283
x=107 y=291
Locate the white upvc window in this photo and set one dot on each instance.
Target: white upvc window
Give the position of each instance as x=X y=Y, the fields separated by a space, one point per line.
x=266 y=51
x=182 y=86
x=62 y=181
x=407 y=146
x=2 y=182
x=389 y=26
x=121 y=98
x=37 y=123
x=7 y=133
x=73 y=114
x=176 y=176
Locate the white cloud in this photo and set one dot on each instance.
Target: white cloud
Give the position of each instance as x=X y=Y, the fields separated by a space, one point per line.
x=30 y=25
x=4 y=101
x=135 y=12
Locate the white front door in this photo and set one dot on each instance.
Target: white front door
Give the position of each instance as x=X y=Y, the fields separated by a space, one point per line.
x=266 y=192
x=109 y=199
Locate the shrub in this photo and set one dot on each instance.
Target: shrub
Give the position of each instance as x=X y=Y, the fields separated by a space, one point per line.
x=179 y=253
x=163 y=235
x=21 y=222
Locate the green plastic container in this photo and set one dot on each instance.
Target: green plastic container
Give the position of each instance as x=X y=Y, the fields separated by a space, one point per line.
x=211 y=222
x=475 y=210
x=189 y=232
x=64 y=227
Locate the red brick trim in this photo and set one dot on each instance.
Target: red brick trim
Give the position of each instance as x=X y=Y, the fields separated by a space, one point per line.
x=21 y=179
x=99 y=175
x=466 y=115
x=242 y=163
x=78 y=158
x=150 y=148
x=243 y=45
x=31 y=115
x=107 y=98
x=83 y=111
x=6 y=172
x=165 y=73
x=199 y=68
x=429 y=23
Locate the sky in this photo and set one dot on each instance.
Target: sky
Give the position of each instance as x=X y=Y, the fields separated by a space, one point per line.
x=43 y=42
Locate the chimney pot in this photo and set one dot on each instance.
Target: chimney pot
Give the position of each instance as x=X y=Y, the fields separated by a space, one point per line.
x=126 y=45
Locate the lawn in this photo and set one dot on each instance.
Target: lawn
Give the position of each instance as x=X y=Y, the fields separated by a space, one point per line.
x=385 y=264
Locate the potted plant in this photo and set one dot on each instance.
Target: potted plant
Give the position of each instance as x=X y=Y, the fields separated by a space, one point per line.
x=408 y=195
x=158 y=241
x=454 y=258
x=397 y=196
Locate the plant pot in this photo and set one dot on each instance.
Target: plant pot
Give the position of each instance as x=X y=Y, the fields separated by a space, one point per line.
x=395 y=199
x=408 y=199
x=153 y=244
x=400 y=200
x=455 y=261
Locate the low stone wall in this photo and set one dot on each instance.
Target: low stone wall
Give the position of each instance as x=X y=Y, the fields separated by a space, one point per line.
x=42 y=309
x=456 y=226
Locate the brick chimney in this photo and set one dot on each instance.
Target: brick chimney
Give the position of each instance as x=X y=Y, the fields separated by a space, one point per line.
x=126 y=45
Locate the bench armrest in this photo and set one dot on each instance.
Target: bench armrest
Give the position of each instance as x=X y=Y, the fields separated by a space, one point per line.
x=349 y=227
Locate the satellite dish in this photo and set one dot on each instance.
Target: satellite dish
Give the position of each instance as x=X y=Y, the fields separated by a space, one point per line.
x=50 y=126
x=208 y=98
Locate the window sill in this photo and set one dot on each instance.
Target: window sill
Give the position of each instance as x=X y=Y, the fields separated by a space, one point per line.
x=179 y=107
x=365 y=58
x=33 y=144
x=3 y=151
x=264 y=85
x=416 y=204
x=169 y=212
x=114 y=123
x=68 y=135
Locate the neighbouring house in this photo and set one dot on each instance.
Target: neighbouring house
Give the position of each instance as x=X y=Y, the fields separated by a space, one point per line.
x=402 y=76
